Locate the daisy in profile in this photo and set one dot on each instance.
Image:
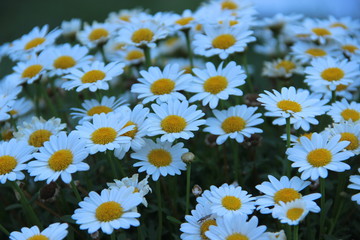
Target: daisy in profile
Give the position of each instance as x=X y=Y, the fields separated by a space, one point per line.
x=345 y=111
x=162 y=85
x=184 y=21
x=315 y=156
x=284 y=190
x=173 y=120
x=141 y=187
x=6 y=132
x=237 y=227
x=31 y=70
x=13 y=157
x=61 y=156
x=185 y=65
x=350 y=47
x=222 y=40
x=92 y=107
x=130 y=55
x=160 y=158
x=291 y=213
x=21 y=107
x=104 y=132
x=112 y=209
x=297 y=104
x=71 y=27
x=6 y=106
x=347 y=91
x=331 y=72
x=283 y=68
x=355 y=184
x=212 y=85
x=55 y=231
x=39 y=130
x=307 y=51
x=349 y=131
x=95 y=34
x=349 y=25
x=236 y=123
x=93 y=76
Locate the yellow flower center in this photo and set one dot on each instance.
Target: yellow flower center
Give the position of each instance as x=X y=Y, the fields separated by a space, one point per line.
x=341 y=87
x=205 y=227
x=38 y=237
x=103 y=135
x=288 y=105
x=231 y=203
x=98 y=33
x=349 y=48
x=354 y=140
x=38 y=137
x=237 y=236
x=319 y=157
x=13 y=112
x=350 y=114
x=119 y=46
x=215 y=84
x=133 y=132
x=125 y=18
x=99 y=109
x=233 y=124
x=142 y=34
x=287 y=65
x=198 y=27
x=230 y=5
x=332 y=74
x=64 y=62
x=223 y=41
x=316 y=52
x=159 y=158
x=134 y=55
x=321 y=32
x=34 y=43
x=294 y=213
x=31 y=71
x=162 y=86
x=184 y=21
x=286 y=195
x=60 y=160
x=109 y=211
x=339 y=25
x=93 y=76
x=7 y=164
x=173 y=124
x=7 y=135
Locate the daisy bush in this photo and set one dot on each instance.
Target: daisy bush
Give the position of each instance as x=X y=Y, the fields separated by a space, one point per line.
x=214 y=123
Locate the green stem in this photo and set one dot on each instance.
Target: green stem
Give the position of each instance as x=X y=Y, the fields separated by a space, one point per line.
x=322 y=214
x=248 y=81
x=288 y=142
x=112 y=164
x=6 y=232
x=333 y=96
x=13 y=122
x=160 y=215
x=188 y=173
x=48 y=100
x=190 y=52
x=147 y=56
x=113 y=237
x=338 y=212
x=296 y=232
x=236 y=161
x=75 y=190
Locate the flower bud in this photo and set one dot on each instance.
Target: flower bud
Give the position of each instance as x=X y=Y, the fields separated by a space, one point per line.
x=196 y=190
x=187 y=157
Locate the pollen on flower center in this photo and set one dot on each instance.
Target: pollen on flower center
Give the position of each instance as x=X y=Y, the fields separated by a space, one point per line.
x=233 y=124
x=350 y=114
x=38 y=137
x=134 y=55
x=316 y=52
x=31 y=71
x=332 y=74
x=294 y=213
x=215 y=84
x=237 y=236
x=99 y=109
x=7 y=164
x=103 y=135
x=319 y=157
x=223 y=41
x=287 y=65
x=92 y=76
x=205 y=227
x=341 y=87
x=34 y=43
x=354 y=141
x=109 y=211
x=349 y=48
x=162 y=86
x=98 y=33
x=38 y=237
x=142 y=35
x=60 y=160
x=286 y=195
x=173 y=124
x=231 y=203
x=321 y=32
x=230 y=5
x=133 y=132
x=159 y=158
x=288 y=105
x=184 y=21
x=64 y=62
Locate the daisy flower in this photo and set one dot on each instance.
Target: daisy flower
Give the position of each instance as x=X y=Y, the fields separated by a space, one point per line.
x=236 y=227
x=39 y=130
x=284 y=190
x=284 y=68
x=160 y=158
x=306 y=51
x=125 y=16
x=331 y=72
x=349 y=25
x=347 y=91
x=174 y=120
x=105 y=132
x=355 y=184
x=130 y=55
x=349 y=131
x=211 y=84
x=291 y=213
x=55 y=231
x=184 y=64
x=112 y=209
x=13 y=155
x=345 y=111
x=6 y=132
x=95 y=34
x=141 y=187
x=162 y=85
x=31 y=70
x=350 y=47
x=222 y=40
x=298 y=105
x=61 y=156
x=184 y=21
x=235 y=122
x=21 y=107
x=6 y=106
x=315 y=156
x=71 y=27
x=93 y=76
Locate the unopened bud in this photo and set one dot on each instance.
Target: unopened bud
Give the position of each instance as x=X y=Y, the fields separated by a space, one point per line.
x=196 y=190
x=250 y=99
x=49 y=192
x=95 y=235
x=187 y=157
x=210 y=140
x=314 y=184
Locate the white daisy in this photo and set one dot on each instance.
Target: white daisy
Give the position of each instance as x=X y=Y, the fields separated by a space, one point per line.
x=71 y=27
x=292 y=212
x=349 y=131
x=184 y=64
x=160 y=158
x=174 y=120
x=125 y=16
x=345 y=111
x=184 y=21
x=96 y=34
x=213 y=84
x=349 y=25
x=21 y=107
x=6 y=106
x=130 y=55
x=31 y=70
x=347 y=91
x=6 y=132
x=112 y=209
x=355 y=184
x=55 y=231
x=315 y=156
x=306 y=51
x=284 y=68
